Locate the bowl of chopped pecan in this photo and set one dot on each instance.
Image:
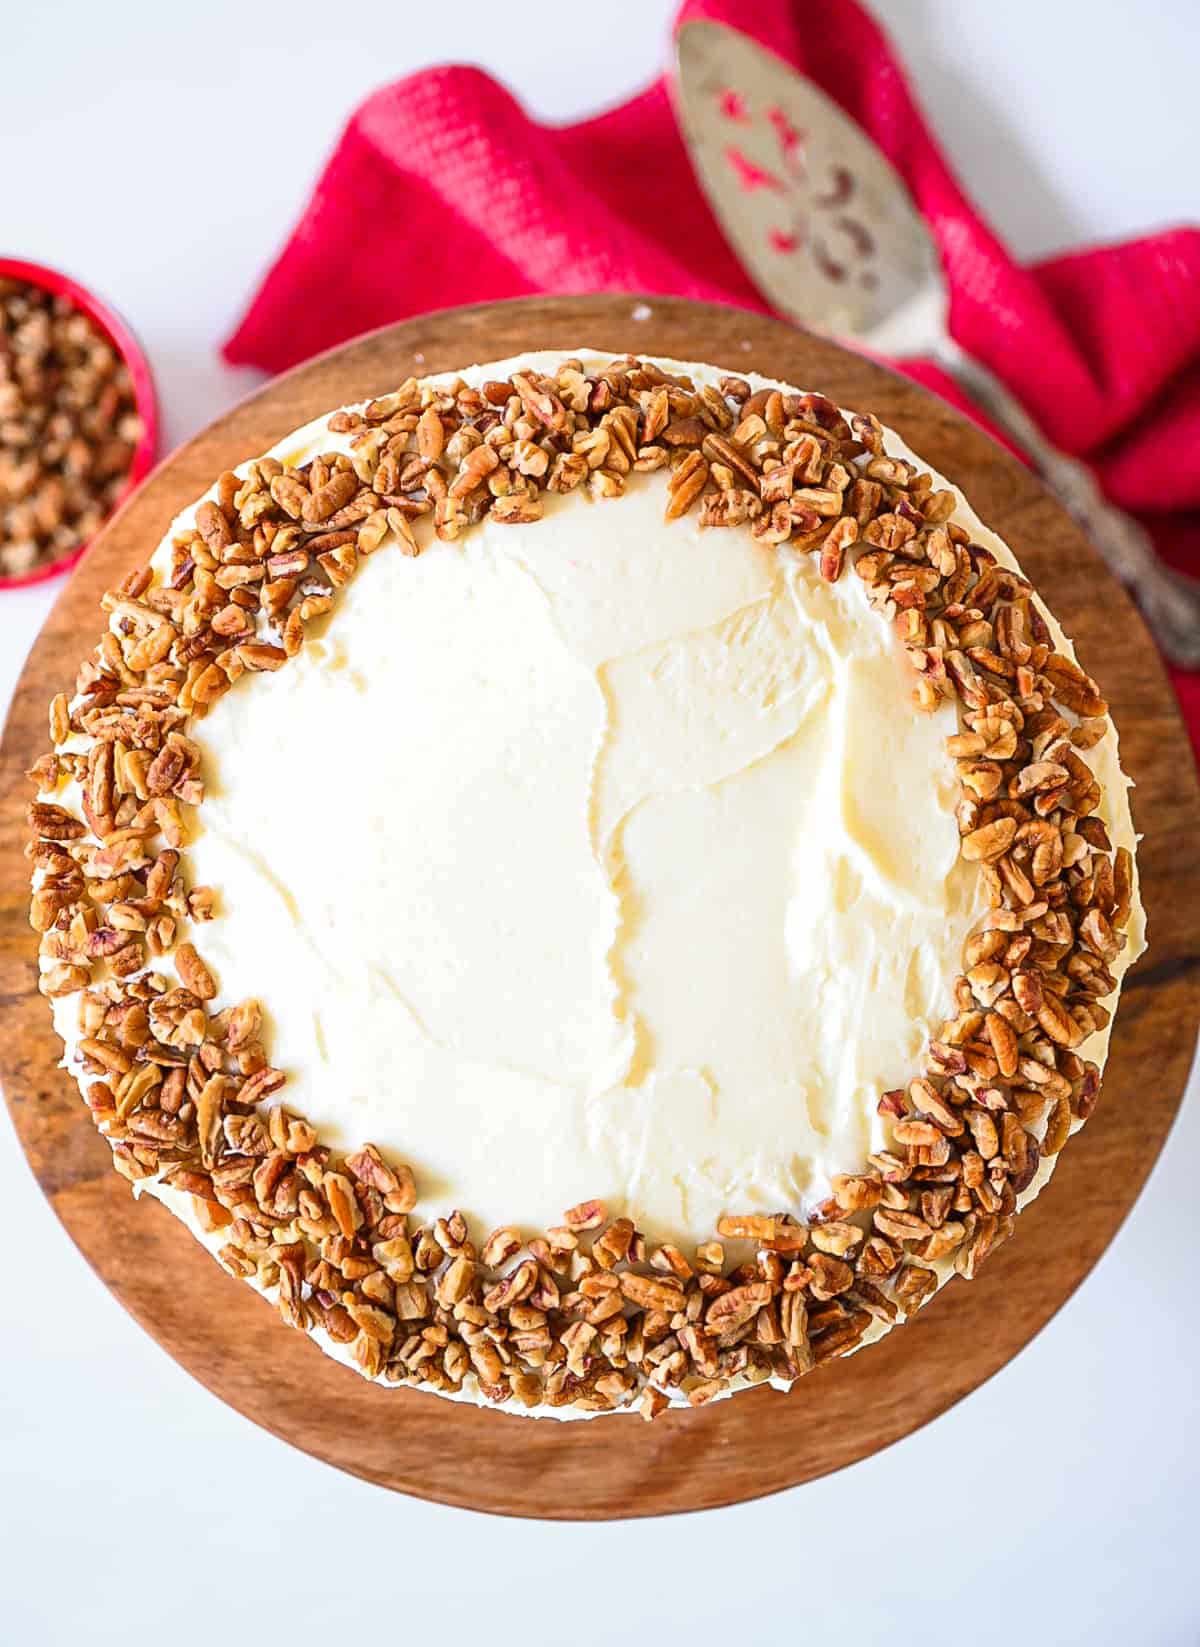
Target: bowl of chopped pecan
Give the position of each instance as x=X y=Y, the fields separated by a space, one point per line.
x=78 y=420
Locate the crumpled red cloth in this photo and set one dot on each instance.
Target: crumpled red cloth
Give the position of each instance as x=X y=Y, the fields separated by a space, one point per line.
x=442 y=191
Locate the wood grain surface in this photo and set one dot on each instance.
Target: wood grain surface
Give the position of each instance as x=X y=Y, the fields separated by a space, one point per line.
x=234 y=1343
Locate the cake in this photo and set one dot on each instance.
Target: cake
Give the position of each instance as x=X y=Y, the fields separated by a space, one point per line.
x=591 y=883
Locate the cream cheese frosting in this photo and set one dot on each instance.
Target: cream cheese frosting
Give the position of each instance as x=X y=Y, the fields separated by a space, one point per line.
x=591 y=857
x=596 y=857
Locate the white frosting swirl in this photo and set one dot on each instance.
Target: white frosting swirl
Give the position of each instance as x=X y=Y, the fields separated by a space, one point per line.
x=591 y=857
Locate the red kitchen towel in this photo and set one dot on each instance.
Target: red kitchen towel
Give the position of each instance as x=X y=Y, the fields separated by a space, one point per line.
x=442 y=191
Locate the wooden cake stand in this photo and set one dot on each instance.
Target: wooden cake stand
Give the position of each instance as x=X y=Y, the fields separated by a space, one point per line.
x=230 y=1340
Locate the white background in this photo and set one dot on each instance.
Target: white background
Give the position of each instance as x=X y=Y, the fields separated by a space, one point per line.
x=161 y=152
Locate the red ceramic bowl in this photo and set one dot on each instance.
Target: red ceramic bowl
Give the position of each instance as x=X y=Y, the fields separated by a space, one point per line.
x=123 y=340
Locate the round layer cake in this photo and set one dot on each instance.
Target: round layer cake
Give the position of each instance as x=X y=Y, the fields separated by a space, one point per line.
x=592 y=883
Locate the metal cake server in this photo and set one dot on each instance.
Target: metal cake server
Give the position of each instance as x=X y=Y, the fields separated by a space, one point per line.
x=828 y=230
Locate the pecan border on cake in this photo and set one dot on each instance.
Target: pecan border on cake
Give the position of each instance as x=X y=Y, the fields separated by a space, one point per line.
x=587 y=1313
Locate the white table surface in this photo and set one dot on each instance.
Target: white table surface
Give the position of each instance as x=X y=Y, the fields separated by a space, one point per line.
x=1057 y=1504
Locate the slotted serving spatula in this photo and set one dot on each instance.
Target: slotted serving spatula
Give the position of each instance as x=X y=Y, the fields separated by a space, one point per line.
x=828 y=230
